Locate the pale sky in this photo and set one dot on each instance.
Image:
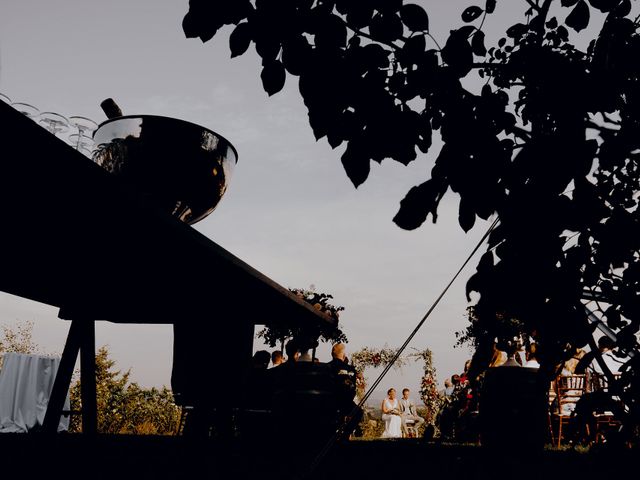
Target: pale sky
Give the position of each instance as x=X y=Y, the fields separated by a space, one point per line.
x=290 y=211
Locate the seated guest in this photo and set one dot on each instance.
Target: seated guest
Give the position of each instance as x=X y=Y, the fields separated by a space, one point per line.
x=409 y=412
x=571 y=366
x=261 y=360
x=258 y=386
x=276 y=358
x=498 y=358
x=589 y=361
x=292 y=349
x=532 y=356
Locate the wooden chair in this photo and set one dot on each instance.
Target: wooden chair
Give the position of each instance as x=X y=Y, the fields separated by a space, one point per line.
x=569 y=390
x=602 y=421
x=410 y=430
x=552 y=396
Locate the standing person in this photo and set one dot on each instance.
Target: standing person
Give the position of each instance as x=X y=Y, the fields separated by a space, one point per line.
x=391 y=416
x=448 y=387
x=345 y=375
x=409 y=412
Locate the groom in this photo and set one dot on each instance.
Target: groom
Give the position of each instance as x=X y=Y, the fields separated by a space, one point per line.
x=408 y=409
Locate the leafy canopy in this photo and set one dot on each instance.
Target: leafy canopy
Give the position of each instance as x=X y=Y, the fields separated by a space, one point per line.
x=547 y=139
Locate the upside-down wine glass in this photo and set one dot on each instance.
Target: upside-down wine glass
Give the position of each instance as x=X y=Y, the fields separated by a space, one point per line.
x=27 y=109
x=54 y=122
x=83 y=140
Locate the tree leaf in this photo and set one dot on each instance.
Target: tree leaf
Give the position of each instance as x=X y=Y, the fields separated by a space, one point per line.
x=471 y=13
x=477 y=44
x=490 y=6
x=331 y=34
x=466 y=215
x=240 y=39
x=578 y=19
x=193 y=26
x=517 y=30
x=602 y=5
x=414 y=17
x=457 y=53
x=622 y=9
x=386 y=27
x=273 y=77
x=356 y=163
x=295 y=54
x=418 y=203
x=413 y=49
x=466 y=30
x=361 y=16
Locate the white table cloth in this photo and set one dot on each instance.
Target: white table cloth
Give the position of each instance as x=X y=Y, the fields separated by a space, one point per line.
x=26 y=382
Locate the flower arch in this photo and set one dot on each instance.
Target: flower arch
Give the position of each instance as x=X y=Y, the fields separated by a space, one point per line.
x=371 y=357
x=429 y=393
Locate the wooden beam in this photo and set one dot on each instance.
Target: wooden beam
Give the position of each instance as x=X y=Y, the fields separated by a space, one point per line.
x=63 y=378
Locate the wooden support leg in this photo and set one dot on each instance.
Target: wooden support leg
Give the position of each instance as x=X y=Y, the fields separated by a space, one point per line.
x=559 y=431
x=63 y=379
x=88 y=378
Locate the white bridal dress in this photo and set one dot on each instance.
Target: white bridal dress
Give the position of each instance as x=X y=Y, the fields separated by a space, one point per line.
x=392 y=423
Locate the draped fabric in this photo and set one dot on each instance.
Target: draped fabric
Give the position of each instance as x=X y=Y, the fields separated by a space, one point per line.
x=26 y=382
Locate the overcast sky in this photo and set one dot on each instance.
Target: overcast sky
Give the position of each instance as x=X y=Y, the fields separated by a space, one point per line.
x=290 y=211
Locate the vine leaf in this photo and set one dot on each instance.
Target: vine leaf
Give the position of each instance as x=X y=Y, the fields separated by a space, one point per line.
x=578 y=19
x=273 y=77
x=414 y=17
x=490 y=6
x=477 y=44
x=240 y=39
x=471 y=13
x=622 y=9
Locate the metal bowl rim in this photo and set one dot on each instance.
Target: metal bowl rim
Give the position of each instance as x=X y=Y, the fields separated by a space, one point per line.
x=170 y=119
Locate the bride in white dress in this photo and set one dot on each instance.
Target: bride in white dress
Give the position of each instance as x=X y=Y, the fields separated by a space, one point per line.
x=391 y=416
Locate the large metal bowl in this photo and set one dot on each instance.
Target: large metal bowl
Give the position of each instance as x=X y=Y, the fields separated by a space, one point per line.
x=178 y=166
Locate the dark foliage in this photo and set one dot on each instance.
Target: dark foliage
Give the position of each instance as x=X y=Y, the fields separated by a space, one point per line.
x=549 y=143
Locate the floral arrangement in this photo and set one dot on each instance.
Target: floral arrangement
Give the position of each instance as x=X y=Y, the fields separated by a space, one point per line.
x=369 y=357
x=274 y=334
x=429 y=394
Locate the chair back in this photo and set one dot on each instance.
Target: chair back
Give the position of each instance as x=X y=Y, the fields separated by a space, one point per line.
x=569 y=390
x=599 y=381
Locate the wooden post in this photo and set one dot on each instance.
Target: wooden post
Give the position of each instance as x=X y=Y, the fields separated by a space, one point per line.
x=63 y=379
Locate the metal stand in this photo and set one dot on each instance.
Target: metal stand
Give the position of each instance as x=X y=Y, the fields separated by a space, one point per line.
x=81 y=339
